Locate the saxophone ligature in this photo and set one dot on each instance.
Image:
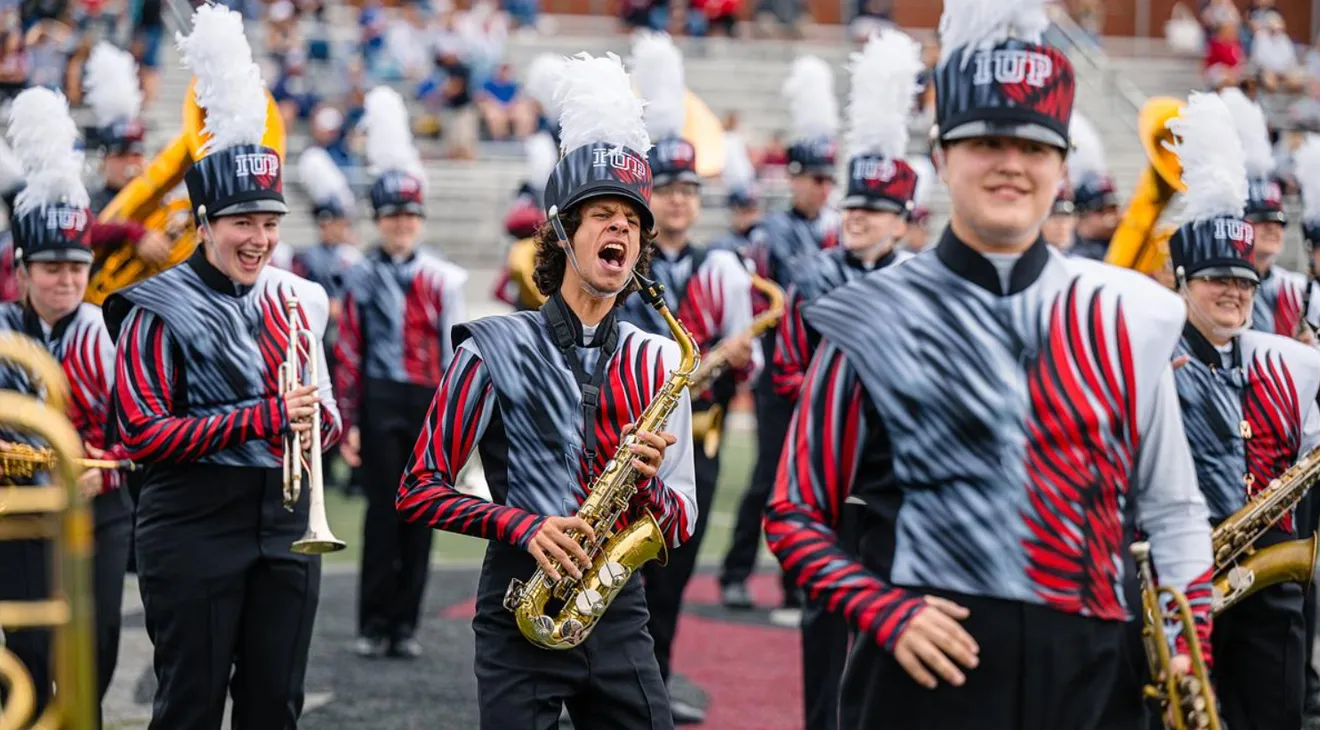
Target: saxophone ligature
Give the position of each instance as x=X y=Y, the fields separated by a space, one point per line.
x=561 y=614
x=1240 y=568
x=1188 y=700
x=300 y=357
x=709 y=424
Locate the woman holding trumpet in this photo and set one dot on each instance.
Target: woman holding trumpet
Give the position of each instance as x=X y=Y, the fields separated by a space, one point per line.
x=53 y=255
x=201 y=396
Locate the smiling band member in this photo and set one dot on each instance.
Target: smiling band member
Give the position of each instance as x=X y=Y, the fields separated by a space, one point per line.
x=52 y=232
x=709 y=291
x=1248 y=402
x=546 y=397
x=993 y=465
x=229 y=607
x=399 y=306
x=879 y=197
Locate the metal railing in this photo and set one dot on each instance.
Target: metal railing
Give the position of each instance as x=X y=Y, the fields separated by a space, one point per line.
x=1113 y=85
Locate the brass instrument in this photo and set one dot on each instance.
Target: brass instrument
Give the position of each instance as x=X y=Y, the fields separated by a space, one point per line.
x=615 y=554
x=708 y=425
x=60 y=514
x=20 y=461
x=1134 y=243
x=522 y=266
x=1188 y=700
x=1235 y=537
x=143 y=201
x=706 y=133
x=301 y=355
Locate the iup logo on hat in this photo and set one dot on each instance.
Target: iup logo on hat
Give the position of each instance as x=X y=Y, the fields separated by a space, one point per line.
x=1266 y=191
x=874 y=171
x=1038 y=77
x=1238 y=233
x=66 y=220
x=676 y=151
x=263 y=166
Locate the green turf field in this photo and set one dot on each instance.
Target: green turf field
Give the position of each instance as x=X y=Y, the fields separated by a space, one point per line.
x=738 y=457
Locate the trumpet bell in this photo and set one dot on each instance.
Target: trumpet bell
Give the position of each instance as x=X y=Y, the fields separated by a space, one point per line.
x=1151 y=121
x=318 y=545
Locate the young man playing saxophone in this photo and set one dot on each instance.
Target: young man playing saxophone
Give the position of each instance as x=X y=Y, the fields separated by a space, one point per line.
x=547 y=397
x=993 y=417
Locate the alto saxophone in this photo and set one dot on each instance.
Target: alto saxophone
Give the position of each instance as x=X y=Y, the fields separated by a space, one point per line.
x=1236 y=576
x=1189 y=700
x=708 y=425
x=561 y=614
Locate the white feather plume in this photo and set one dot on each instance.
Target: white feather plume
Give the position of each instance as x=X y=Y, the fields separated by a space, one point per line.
x=738 y=173
x=926 y=179
x=884 y=83
x=1252 y=130
x=1213 y=164
x=11 y=169
x=112 y=84
x=812 y=103
x=597 y=105
x=1087 y=156
x=984 y=23
x=44 y=137
x=1306 y=167
x=541 y=158
x=656 y=67
x=543 y=79
x=322 y=179
x=389 y=142
x=229 y=86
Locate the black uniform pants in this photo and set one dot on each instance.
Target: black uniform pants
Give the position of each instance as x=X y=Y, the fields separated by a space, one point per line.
x=114 y=531
x=609 y=682
x=395 y=554
x=1258 y=660
x=665 y=584
x=825 y=639
x=1040 y=669
x=1307 y=518
x=223 y=595
x=772 y=420
x=25 y=576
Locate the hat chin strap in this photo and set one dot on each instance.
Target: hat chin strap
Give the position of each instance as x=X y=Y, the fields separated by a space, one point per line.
x=572 y=259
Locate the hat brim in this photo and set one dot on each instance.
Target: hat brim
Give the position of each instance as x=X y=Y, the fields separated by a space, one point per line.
x=797 y=168
x=390 y=209
x=1064 y=207
x=1269 y=216
x=1003 y=128
x=686 y=176
x=1227 y=271
x=615 y=190
x=878 y=205
x=59 y=255
x=261 y=205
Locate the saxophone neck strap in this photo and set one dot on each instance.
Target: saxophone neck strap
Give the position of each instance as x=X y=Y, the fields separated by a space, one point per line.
x=566 y=330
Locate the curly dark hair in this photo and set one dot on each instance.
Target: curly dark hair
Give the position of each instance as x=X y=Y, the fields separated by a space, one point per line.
x=550 y=259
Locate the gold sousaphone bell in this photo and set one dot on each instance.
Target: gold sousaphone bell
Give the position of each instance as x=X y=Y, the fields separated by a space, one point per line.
x=144 y=200
x=1137 y=240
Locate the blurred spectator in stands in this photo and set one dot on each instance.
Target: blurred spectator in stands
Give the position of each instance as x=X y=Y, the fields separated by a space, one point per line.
x=1183 y=32
x=328 y=132
x=49 y=43
x=292 y=90
x=523 y=13
x=497 y=101
x=13 y=59
x=787 y=13
x=371 y=34
x=148 y=27
x=872 y=17
x=1224 y=57
x=1273 y=54
x=483 y=34
x=635 y=14
x=282 y=35
x=774 y=153
x=408 y=45
x=1218 y=13
x=452 y=111
x=1089 y=16
x=722 y=17
x=1305 y=111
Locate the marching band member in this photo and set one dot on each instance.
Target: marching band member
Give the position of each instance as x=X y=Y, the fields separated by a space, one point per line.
x=52 y=225
x=709 y=291
x=808 y=226
x=917 y=237
x=743 y=199
x=1095 y=200
x=993 y=465
x=1062 y=221
x=11 y=183
x=879 y=198
x=1249 y=408
x=515 y=392
x=333 y=209
x=229 y=607
x=1278 y=303
x=394 y=345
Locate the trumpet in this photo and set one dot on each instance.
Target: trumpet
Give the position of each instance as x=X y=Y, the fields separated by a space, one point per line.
x=301 y=354
x=1189 y=700
x=60 y=514
x=20 y=461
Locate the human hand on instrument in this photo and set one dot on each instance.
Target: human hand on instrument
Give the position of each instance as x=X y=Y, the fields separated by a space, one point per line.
x=650 y=449
x=350 y=447
x=554 y=549
x=154 y=247
x=1181 y=664
x=92 y=482
x=932 y=639
x=740 y=351
x=300 y=404
x=1180 y=361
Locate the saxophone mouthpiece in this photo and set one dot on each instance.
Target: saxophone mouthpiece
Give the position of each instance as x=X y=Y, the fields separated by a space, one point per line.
x=653 y=291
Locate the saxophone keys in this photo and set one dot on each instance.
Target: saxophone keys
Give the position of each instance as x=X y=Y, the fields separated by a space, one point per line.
x=612 y=575
x=590 y=602
x=1240 y=578
x=544 y=626
x=572 y=632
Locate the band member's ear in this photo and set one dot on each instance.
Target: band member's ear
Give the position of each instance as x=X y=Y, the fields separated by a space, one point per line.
x=937 y=156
